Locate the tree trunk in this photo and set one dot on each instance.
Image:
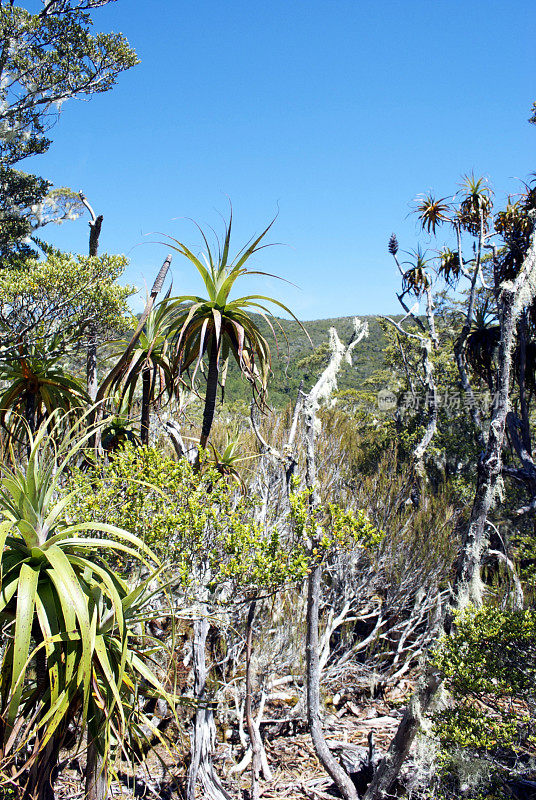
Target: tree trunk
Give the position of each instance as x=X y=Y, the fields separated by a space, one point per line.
x=96 y=785
x=94 y=232
x=95 y=226
x=91 y=363
x=252 y=730
x=145 y=404
x=522 y=380
x=96 y=782
x=212 y=391
x=325 y=756
x=39 y=785
x=40 y=780
x=390 y=765
x=30 y=410
x=322 y=390
x=204 y=731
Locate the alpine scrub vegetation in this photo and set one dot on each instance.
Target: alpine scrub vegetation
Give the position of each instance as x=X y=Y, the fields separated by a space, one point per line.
x=194 y=521
x=489 y=669
x=60 y=295
x=191 y=518
x=213 y=585
x=331 y=529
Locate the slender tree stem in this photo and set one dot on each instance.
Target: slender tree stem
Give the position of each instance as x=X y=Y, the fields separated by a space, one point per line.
x=96 y=783
x=145 y=404
x=212 y=391
x=95 y=225
x=328 y=760
x=30 y=410
x=252 y=731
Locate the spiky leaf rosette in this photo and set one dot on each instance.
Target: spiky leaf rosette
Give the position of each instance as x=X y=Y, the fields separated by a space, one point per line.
x=67 y=617
x=218 y=326
x=432 y=212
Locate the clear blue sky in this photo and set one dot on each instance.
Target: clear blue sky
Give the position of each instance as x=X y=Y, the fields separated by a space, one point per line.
x=334 y=113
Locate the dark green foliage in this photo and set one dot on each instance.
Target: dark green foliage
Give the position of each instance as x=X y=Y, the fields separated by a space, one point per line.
x=449 y=266
x=489 y=666
x=46 y=59
x=18 y=192
x=515 y=225
x=491 y=653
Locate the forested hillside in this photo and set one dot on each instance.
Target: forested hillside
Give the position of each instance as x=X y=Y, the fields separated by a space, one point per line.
x=298 y=353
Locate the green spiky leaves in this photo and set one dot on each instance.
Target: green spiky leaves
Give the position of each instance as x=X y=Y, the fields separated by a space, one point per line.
x=67 y=616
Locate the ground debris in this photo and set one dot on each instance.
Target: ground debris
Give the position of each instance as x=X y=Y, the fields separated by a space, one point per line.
x=297 y=773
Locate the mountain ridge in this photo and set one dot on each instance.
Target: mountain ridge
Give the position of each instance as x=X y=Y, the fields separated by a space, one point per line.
x=295 y=358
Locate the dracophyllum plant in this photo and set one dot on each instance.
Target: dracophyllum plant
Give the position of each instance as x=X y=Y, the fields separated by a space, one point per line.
x=73 y=654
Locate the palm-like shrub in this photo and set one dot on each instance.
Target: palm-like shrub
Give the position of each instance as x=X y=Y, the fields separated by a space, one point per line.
x=227 y=461
x=218 y=326
x=476 y=204
x=482 y=342
x=37 y=386
x=432 y=212
x=150 y=361
x=515 y=225
x=119 y=427
x=70 y=658
x=450 y=267
x=416 y=278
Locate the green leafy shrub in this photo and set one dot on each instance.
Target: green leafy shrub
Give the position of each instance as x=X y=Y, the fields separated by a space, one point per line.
x=193 y=520
x=489 y=667
x=329 y=528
